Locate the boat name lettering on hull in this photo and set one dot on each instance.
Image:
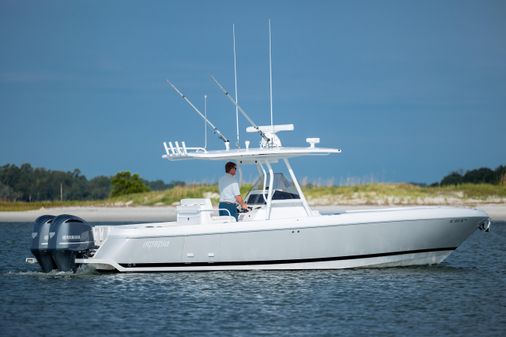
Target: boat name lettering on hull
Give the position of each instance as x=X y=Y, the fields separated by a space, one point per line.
x=156 y=244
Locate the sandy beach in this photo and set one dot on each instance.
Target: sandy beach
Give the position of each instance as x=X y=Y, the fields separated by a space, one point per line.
x=98 y=214
x=154 y=214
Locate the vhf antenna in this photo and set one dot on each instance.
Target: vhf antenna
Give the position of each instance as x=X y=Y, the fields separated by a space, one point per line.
x=236 y=94
x=270 y=71
x=264 y=136
x=215 y=129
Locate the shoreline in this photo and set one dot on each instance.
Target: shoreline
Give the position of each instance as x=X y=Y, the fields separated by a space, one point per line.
x=497 y=212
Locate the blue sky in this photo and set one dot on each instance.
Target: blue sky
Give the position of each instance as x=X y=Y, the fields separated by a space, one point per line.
x=409 y=90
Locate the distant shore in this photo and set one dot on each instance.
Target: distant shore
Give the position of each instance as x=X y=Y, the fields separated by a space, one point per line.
x=168 y=213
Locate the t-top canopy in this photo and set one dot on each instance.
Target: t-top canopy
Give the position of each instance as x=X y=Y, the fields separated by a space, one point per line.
x=245 y=155
x=272 y=150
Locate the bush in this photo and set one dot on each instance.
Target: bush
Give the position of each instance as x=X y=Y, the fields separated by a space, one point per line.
x=126 y=183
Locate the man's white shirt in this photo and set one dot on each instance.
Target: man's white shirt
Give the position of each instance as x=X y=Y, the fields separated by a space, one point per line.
x=229 y=188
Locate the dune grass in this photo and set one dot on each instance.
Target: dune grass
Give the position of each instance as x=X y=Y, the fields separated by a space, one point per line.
x=174 y=195
x=364 y=194
x=407 y=194
x=15 y=206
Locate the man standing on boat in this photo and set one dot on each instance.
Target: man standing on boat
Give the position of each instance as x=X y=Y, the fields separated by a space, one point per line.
x=230 y=194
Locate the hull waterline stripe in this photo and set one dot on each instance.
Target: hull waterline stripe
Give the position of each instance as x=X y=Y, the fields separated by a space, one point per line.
x=270 y=262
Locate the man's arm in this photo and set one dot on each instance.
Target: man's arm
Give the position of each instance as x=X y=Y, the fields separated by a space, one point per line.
x=241 y=202
x=238 y=198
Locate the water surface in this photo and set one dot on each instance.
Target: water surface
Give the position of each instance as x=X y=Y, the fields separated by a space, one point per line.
x=464 y=296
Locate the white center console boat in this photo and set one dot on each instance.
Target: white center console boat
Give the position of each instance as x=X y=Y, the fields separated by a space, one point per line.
x=281 y=231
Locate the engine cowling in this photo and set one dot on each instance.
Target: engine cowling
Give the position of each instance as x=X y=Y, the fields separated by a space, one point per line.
x=40 y=239
x=69 y=237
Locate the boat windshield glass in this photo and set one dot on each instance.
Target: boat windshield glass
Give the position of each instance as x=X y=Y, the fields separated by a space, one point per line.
x=283 y=189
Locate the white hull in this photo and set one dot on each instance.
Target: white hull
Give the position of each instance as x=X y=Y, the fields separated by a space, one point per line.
x=411 y=259
x=369 y=238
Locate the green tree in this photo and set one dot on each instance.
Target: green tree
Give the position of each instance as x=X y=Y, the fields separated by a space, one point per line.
x=453 y=178
x=7 y=193
x=481 y=175
x=156 y=185
x=126 y=183
x=500 y=174
x=100 y=187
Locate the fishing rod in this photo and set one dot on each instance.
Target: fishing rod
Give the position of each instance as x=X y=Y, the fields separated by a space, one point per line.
x=214 y=128
x=264 y=136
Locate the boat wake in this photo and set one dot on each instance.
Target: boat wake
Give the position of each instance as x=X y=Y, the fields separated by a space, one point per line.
x=82 y=270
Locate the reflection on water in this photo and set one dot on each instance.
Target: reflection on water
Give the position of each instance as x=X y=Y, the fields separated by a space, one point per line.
x=465 y=296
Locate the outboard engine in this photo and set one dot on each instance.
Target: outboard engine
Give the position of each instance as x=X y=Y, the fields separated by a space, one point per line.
x=69 y=237
x=40 y=238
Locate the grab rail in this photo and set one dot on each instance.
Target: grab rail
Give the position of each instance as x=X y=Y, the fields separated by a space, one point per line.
x=212 y=210
x=218 y=209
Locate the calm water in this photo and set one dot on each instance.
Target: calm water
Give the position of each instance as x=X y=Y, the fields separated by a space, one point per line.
x=465 y=296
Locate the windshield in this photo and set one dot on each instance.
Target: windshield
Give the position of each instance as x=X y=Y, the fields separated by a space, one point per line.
x=283 y=189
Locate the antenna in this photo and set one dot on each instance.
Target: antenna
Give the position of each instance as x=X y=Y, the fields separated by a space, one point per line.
x=215 y=129
x=241 y=110
x=205 y=124
x=270 y=70
x=236 y=94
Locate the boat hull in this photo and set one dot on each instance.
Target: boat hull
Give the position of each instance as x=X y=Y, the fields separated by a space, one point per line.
x=375 y=238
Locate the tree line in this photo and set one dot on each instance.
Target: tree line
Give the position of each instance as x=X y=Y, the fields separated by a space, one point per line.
x=26 y=183
x=482 y=175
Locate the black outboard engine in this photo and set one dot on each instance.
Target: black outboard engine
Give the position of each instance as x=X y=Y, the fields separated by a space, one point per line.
x=40 y=238
x=69 y=237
